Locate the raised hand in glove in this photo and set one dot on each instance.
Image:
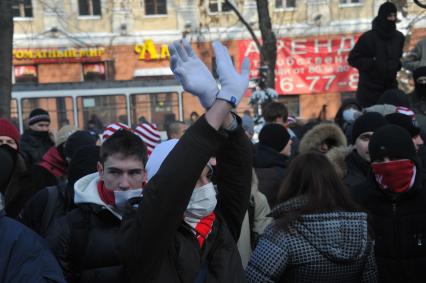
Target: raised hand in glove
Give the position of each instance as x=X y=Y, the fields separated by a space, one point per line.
x=192 y=74
x=233 y=84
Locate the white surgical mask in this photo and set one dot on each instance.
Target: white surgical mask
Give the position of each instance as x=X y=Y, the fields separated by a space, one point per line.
x=350 y=115
x=202 y=203
x=122 y=197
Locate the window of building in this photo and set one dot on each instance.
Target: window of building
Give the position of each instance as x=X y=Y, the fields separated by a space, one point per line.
x=350 y=2
x=155 y=7
x=218 y=6
x=89 y=7
x=25 y=74
x=22 y=9
x=285 y=4
x=94 y=72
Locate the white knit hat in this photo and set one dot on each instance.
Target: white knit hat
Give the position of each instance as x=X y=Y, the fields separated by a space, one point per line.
x=157 y=157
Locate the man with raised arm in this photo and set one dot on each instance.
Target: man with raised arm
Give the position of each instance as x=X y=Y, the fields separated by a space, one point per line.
x=185 y=229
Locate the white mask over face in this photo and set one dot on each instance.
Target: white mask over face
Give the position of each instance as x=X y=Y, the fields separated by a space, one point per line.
x=350 y=115
x=202 y=203
x=122 y=197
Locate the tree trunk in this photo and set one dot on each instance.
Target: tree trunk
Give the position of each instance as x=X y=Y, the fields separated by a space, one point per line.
x=269 y=41
x=6 y=39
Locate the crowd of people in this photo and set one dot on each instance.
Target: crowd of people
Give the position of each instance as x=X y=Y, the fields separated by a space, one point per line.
x=321 y=201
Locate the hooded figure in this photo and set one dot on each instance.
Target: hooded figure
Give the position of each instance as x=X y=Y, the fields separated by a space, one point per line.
x=394 y=198
x=328 y=139
x=270 y=159
x=377 y=55
x=23 y=255
x=418 y=97
x=19 y=187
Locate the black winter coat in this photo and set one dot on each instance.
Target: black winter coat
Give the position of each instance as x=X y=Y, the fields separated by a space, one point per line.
x=85 y=242
x=357 y=170
x=399 y=227
x=33 y=145
x=157 y=246
x=377 y=58
x=269 y=166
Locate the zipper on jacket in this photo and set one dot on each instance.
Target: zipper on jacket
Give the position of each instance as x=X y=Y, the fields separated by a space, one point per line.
x=396 y=230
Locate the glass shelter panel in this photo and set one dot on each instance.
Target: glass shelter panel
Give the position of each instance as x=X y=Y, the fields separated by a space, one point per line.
x=60 y=110
x=158 y=108
x=96 y=112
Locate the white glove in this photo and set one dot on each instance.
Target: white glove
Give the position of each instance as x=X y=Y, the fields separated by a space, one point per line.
x=233 y=85
x=192 y=74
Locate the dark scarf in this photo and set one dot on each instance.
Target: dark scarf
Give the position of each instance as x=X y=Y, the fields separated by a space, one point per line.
x=360 y=163
x=384 y=28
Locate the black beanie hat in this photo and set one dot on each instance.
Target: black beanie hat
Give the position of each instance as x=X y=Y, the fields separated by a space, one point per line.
x=391 y=141
x=405 y=122
x=84 y=162
x=386 y=8
x=368 y=122
x=395 y=97
x=275 y=136
x=78 y=140
x=38 y=115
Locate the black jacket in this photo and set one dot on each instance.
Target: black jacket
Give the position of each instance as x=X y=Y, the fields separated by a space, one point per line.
x=357 y=170
x=85 y=242
x=376 y=55
x=399 y=227
x=269 y=166
x=33 y=145
x=157 y=246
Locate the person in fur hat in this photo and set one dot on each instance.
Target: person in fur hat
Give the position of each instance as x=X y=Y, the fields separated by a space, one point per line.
x=377 y=55
x=328 y=139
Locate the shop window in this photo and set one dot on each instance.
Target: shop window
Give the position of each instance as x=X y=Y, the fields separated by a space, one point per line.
x=292 y=103
x=218 y=6
x=349 y=2
x=89 y=7
x=25 y=74
x=22 y=9
x=285 y=4
x=94 y=72
x=60 y=110
x=96 y=112
x=158 y=108
x=155 y=7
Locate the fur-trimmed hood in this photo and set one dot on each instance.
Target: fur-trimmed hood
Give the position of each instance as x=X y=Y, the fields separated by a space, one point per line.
x=315 y=136
x=337 y=156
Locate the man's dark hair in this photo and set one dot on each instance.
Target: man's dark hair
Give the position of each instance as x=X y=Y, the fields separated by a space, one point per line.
x=173 y=128
x=274 y=110
x=125 y=143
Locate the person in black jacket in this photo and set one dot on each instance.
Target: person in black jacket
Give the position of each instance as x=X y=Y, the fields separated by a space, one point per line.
x=271 y=159
x=24 y=257
x=182 y=230
x=85 y=239
x=395 y=198
x=358 y=160
x=36 y=140
x=377 y=55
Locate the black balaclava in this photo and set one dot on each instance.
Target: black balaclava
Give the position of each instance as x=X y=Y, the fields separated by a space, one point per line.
x=7 y=160
x=420 y=88
x=381 y=24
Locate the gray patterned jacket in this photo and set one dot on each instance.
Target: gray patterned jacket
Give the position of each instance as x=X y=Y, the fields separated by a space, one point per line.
x=324 y=247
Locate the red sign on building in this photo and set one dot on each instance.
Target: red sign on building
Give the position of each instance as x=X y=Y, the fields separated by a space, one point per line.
x=308 y=65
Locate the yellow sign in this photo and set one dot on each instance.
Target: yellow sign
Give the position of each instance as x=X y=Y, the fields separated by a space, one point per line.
x=22 y=54
x=148 y=48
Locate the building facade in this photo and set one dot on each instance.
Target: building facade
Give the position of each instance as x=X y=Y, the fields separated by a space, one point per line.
x=102 y=61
